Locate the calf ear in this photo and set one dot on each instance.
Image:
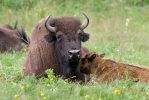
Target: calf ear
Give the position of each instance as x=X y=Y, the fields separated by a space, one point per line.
x=91 y=58
x=50 y=37
x=85 y=37
x=102 y=55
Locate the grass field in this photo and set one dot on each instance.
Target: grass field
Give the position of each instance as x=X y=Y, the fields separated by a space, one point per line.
x=120 y=28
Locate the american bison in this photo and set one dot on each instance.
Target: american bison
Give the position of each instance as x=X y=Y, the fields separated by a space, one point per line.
x=106 y=70
x=12 y=38
x=56 y=43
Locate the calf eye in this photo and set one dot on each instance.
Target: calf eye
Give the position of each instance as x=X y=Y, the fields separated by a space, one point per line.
x=83 y=59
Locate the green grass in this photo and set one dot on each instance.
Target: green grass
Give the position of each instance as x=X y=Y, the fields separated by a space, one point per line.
x=108 y=33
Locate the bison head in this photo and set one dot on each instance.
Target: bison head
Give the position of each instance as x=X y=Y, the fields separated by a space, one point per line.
x=67 y=33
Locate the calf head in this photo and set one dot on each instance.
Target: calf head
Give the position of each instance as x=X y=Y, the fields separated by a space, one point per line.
x=90 y=62
x=67 y=33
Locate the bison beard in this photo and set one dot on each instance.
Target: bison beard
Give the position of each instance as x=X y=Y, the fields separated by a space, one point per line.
x=69 y=62
x=70 y=67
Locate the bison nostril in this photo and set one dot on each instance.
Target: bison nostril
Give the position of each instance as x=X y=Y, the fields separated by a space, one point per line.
x=78 y=52
x=74 y=52
x=70 y=52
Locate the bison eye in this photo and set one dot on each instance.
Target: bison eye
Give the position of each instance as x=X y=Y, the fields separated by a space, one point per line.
x=81 y=34
x=58 y=37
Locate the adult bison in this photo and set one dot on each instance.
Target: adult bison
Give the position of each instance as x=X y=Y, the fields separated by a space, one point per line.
x=106 y=70
x=12 y=38
x=56 y=43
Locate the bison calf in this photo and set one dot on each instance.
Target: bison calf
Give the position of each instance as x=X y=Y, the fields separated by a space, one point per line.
x=107 y=70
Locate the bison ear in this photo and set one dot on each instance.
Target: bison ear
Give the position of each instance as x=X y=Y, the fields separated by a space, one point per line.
x=85 y=37
x=91 y=58
x=102 y=55
x=50 y=37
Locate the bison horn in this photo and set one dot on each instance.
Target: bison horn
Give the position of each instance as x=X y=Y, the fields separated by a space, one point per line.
x=50 y=28
x=85 y=24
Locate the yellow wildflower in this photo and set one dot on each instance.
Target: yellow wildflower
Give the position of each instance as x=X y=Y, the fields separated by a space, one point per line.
x=44 y=98
x=42 y=94
x=143 y=27
x=124 y=87
x=66 y=80
x=24 y=49
x=51 y=79
x=17 y=96
x=92 y=98
x=87 y=96
x=4 y=74
x=27 y=85
x=12 y=82
x=22 y=75
x=24 y=68
x=116 y=91
x=22 y=87
x=99 y=99
x=147 y=93
x=9 y=11
x=136 y=95
x=47 y=84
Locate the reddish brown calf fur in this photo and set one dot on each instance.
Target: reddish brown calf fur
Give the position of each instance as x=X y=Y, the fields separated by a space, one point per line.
x=107 y=70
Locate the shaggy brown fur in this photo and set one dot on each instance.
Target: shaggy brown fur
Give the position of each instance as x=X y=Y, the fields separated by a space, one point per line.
x=40 y=52
x=7 y=26
x=47 y=51
x=12 y=39
x=107 y=70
